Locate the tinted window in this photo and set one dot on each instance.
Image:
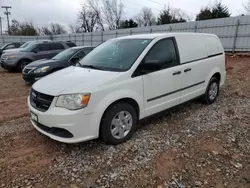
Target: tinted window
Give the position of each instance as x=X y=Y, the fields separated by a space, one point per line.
x=70 y=44
x=80 y=55
x=163 y=51
x=56 y=46
x=42 y=47
x=66 y=54
x=87 y=51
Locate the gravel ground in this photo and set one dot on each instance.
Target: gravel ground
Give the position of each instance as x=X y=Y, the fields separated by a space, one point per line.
x=192 y=145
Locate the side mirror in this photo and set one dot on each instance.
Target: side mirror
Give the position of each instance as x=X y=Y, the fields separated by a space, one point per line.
x=152 y=65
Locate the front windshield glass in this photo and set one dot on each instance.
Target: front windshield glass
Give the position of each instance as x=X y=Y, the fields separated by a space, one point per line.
x=3 y=46
x=65 y=55
x=30 y=47
x=24 y=45
x=115 y=55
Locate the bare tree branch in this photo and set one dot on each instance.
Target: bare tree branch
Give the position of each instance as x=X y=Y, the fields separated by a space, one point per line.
x=145 y=17
x=112 y=13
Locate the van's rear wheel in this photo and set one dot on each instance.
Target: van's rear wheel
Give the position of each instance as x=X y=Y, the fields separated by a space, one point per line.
x=212 y=91
x=118 y=123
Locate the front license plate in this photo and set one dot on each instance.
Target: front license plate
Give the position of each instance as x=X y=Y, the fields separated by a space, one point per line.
x=33 y=116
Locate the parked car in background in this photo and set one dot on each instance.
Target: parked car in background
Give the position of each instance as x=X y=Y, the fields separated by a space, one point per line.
x=125 y=80
x=40 y=68
x=35 y=51
x=9 y=46
x=24 y=45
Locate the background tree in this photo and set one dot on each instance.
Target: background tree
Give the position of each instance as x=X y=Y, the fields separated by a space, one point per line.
x=87 y=18
x=220 y=11
x=75 y=28
x=57 y=29
x=169 y=15
x=52 y=29
x=113 y=11
x=23 y=28
x=204 y=14
x=246 y=6
x=145 y=17
x=217 y=11
x=128 y=24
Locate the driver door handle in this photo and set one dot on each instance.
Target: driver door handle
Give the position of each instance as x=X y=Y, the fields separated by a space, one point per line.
x=187 y=70
x=177 y=73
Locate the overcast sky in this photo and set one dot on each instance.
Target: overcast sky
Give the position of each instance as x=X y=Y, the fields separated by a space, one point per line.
x=42 y=12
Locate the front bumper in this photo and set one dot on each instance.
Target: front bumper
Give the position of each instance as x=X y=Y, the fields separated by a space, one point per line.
x=7 y=64
x=31 y=78
x=77 y=123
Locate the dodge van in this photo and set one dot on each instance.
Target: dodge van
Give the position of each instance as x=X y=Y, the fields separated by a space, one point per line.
x=123 y=81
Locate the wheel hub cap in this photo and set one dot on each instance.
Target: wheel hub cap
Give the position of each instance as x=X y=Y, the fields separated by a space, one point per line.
x=213 y=91
x=121 y=124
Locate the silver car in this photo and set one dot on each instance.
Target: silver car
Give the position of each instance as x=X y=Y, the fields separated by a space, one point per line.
x=40 y=50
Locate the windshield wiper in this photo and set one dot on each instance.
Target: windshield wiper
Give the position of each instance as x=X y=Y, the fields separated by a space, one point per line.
x=92 y=67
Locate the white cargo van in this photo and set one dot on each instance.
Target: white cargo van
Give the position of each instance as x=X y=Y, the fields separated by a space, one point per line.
x=124 y=80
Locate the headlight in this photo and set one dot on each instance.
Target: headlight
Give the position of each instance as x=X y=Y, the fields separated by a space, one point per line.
x=43 y=69
x=11 y=57
x=73 y=101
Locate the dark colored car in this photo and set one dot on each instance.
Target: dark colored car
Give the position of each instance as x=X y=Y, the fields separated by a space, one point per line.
x=41 y=68
x=9 y=46
x=35 y=51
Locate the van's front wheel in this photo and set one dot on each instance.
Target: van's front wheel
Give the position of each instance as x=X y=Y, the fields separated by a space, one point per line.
x=118 y=123
x=212 y=91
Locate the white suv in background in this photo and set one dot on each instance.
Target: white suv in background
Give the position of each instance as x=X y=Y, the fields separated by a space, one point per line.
x=124 y=80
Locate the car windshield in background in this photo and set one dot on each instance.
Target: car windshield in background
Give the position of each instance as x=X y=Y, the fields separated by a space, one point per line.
x=3 y=46
x=115 y=55
x=65 y=55
x=25 y=44
x=29 y=47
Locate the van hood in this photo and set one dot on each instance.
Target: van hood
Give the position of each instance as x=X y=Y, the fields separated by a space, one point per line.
x=72 y=80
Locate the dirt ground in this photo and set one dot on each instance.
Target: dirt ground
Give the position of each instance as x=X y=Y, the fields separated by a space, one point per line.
x=193 y=145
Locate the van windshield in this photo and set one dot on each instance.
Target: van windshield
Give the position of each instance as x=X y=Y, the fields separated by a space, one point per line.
x=115 y=55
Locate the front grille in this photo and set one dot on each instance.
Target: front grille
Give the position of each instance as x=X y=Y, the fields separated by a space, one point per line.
x=40 y=101
x=27 y=70
x=2 y=60
x=55 y=131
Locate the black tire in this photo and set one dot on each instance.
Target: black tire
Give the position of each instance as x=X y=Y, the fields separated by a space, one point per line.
x=207 y=99
x=111 y=112
x=21 y=64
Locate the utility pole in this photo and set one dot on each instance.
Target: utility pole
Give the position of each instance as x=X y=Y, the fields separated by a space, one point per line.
x=7 y=13
x=1 y=28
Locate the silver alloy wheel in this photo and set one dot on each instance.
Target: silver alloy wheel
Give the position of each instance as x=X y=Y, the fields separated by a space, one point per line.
x=213 y=91
x=121 y=124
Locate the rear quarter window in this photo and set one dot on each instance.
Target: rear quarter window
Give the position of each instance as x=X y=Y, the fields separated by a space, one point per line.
x=56 y=46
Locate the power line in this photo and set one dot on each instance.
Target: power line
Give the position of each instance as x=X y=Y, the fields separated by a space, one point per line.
x=141 y=5
x=7 y=13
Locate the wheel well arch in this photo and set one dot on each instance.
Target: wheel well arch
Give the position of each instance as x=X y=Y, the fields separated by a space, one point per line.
x=23 y=60
x=217 y=75
x=131 y=101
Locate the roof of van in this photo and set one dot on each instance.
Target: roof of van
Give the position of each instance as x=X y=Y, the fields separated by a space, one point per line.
x=155 y=35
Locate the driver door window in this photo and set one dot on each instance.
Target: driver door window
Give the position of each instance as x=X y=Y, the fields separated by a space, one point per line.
x=42 y=48
x=163 y=51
